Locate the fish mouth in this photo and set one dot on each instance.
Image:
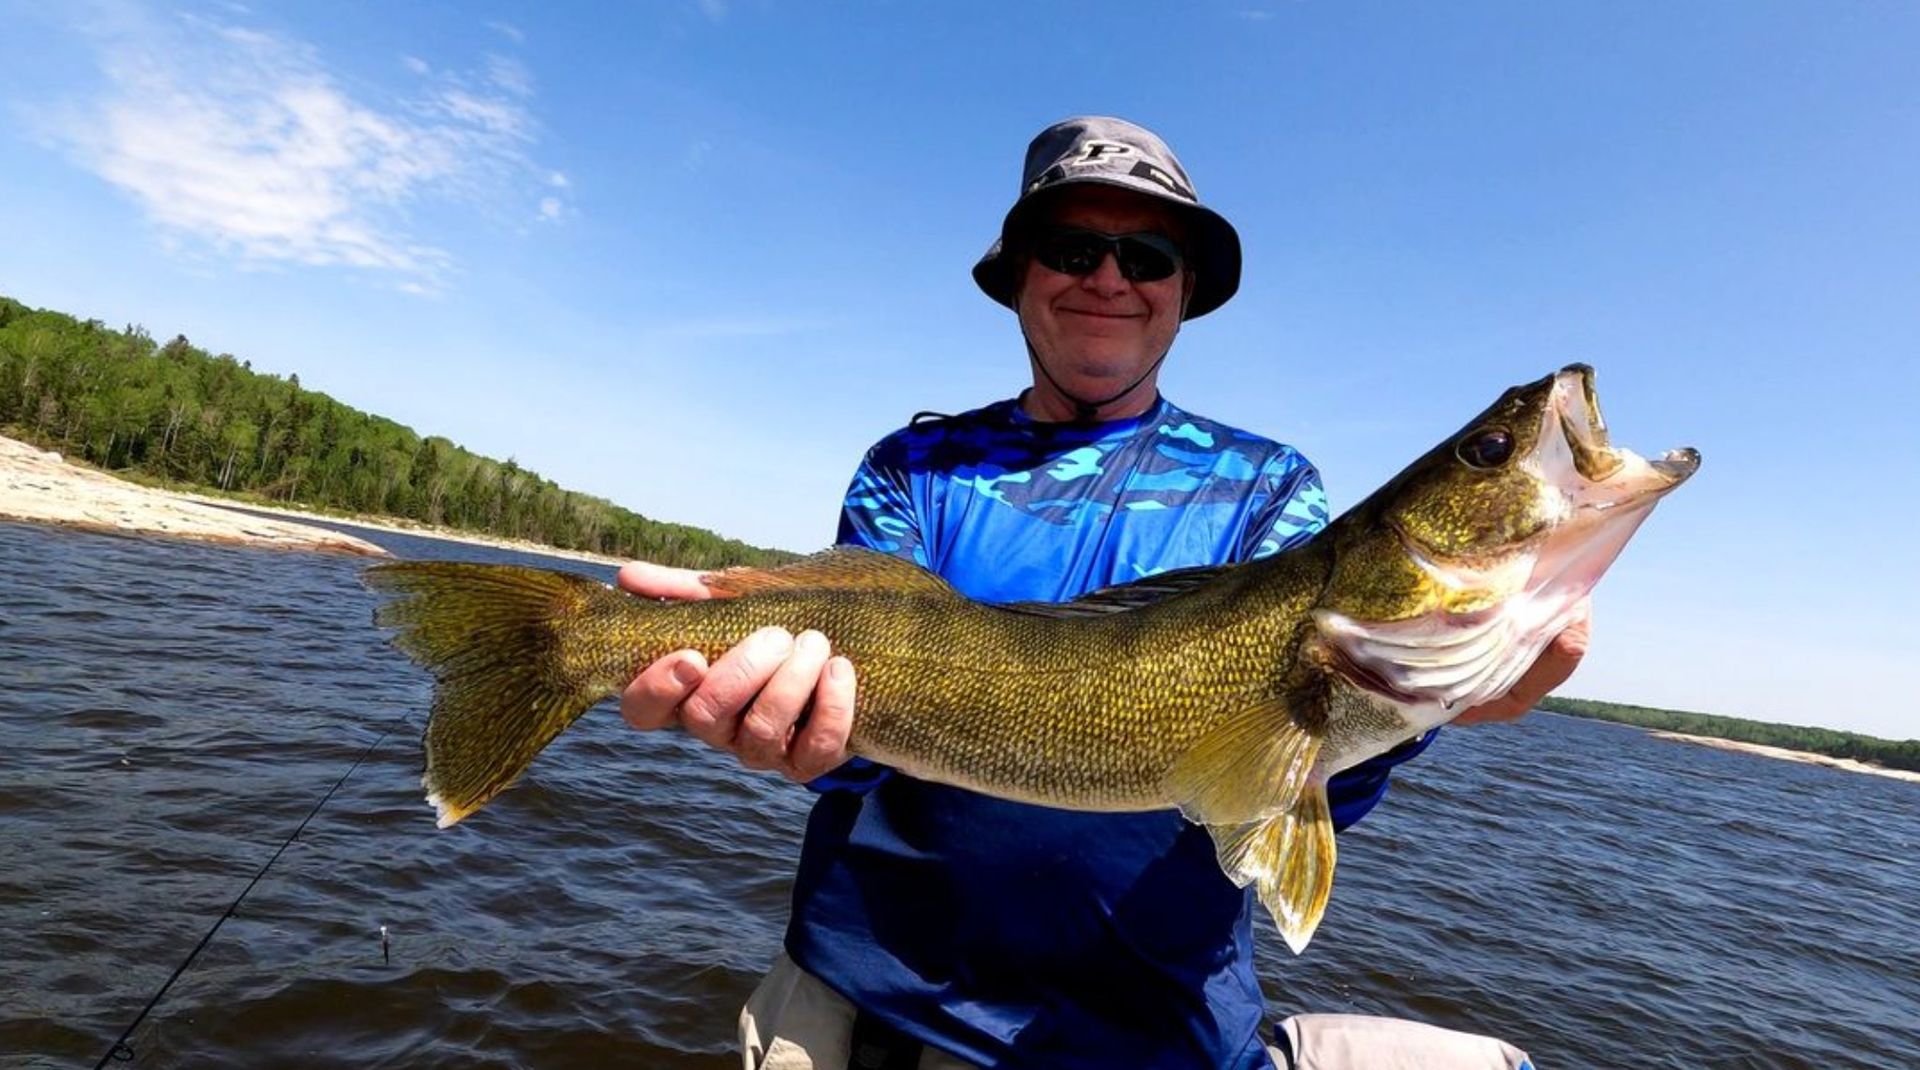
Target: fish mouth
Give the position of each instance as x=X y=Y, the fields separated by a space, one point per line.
x=1607 y=492
x=1608 y=476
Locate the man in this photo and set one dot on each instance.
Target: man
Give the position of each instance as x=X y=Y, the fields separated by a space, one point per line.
x=933 y=927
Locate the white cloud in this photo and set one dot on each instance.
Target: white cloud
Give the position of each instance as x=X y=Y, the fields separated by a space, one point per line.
x=558 y=180
x=507 y=30
x=550 y=208
x=509 y=74
x=243 y=142
x=714 y=10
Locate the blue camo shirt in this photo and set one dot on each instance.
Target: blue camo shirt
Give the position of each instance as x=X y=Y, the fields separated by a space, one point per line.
x=1022 y=936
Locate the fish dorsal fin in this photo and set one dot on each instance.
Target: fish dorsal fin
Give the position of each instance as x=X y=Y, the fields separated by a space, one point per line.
x=1254 y=783
x=842 y=568
x=1124 y=596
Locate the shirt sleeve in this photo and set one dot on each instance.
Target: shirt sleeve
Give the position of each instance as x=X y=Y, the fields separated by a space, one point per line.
x=1353 y=792
x=878 y=511
x=1291 y=507
x=878 y=514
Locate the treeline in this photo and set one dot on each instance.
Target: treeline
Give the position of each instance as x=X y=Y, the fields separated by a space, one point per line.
x=1893 y=755
x=176 y=414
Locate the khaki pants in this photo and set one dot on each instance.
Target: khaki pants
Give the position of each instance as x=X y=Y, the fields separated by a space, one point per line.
x=793 y=1021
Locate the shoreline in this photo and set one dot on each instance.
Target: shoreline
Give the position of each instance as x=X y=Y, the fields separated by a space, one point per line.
x=1851 y=765
x=42 y=487
x=411 y=528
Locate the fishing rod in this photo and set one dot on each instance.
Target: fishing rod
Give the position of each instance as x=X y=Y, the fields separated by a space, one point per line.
x=121 y=1051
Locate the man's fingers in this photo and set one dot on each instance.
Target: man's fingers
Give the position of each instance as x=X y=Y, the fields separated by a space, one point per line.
x=653 y=699
x=1573 y=641
x=768 y=722
x=1551 y=669
x=1555 y=664
x=649 y=580
x=712 y=713
x=750 y=699
x=821 y=744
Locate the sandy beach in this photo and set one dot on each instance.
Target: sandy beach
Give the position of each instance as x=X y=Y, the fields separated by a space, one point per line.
x=1849 y=764
x=38 y=486
x=42 y=487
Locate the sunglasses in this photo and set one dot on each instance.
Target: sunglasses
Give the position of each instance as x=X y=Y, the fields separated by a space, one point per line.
x=1143 y=257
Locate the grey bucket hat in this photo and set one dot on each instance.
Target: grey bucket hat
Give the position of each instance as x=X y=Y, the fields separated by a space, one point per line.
x=1114 y=152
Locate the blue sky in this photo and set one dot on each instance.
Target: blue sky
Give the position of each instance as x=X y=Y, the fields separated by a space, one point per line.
x=695 y=257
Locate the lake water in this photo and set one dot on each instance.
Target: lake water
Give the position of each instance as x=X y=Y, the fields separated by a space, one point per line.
x=169 y=712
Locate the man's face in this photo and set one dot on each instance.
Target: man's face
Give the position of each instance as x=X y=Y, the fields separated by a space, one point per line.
x=1097 y=333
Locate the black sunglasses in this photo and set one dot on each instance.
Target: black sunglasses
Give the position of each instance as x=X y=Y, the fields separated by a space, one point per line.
x=1143 y=257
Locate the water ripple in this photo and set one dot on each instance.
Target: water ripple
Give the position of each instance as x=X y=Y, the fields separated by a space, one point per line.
x=171 y=711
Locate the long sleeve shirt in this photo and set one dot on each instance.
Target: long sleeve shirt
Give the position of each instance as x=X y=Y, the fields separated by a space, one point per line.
x=1022 y=936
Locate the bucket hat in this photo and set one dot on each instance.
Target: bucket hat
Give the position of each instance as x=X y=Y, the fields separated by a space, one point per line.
x=1114 y=152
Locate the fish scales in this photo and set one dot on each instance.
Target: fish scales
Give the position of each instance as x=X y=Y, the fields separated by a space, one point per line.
x=1080 y=712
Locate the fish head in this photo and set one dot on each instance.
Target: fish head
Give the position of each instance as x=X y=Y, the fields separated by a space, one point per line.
x=1453 y=577
x=1533 y=476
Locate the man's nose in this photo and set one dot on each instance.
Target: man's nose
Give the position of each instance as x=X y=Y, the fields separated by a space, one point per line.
x=1106 y=279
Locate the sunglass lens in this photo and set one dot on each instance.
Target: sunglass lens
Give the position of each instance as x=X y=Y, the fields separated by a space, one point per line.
x=1141 y=261
x=1142 y=258
x=1071 y=252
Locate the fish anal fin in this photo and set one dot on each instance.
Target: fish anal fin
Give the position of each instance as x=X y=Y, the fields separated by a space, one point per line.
x=842 y=568
x=1289 y=859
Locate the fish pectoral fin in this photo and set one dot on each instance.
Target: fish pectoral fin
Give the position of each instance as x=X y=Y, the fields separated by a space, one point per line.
x=1288 y=858
x=1256 y=763
x=844 y=568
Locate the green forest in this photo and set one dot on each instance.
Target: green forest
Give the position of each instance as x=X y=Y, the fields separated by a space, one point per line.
x=1893 y=755
x=176 y=415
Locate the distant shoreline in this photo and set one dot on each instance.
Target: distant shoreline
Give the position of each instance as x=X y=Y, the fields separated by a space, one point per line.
x=38 y=486
x=411 y=528
x=1851 y=765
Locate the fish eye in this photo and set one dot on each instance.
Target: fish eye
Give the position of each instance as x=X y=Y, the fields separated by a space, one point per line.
x=1487 y=448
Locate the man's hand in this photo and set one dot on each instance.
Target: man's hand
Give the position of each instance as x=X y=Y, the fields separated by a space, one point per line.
x=1548 y=671
x=776 y=700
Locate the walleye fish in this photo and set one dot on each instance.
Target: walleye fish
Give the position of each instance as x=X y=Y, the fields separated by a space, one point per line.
x=1231 y=693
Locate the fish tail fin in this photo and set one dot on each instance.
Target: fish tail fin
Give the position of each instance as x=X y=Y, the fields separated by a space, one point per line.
x=507 y=681
x=1289 y=859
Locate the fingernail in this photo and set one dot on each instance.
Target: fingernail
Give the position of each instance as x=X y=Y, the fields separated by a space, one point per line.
x=684 y=674
x=840 y=668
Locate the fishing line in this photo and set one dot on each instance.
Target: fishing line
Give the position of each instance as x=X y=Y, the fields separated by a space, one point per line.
x=121 y=1050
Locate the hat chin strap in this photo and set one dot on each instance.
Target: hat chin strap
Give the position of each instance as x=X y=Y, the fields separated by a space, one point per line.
x=1084 y=410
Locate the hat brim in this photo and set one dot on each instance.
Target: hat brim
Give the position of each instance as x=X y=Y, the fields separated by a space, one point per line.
x=1212 y=250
